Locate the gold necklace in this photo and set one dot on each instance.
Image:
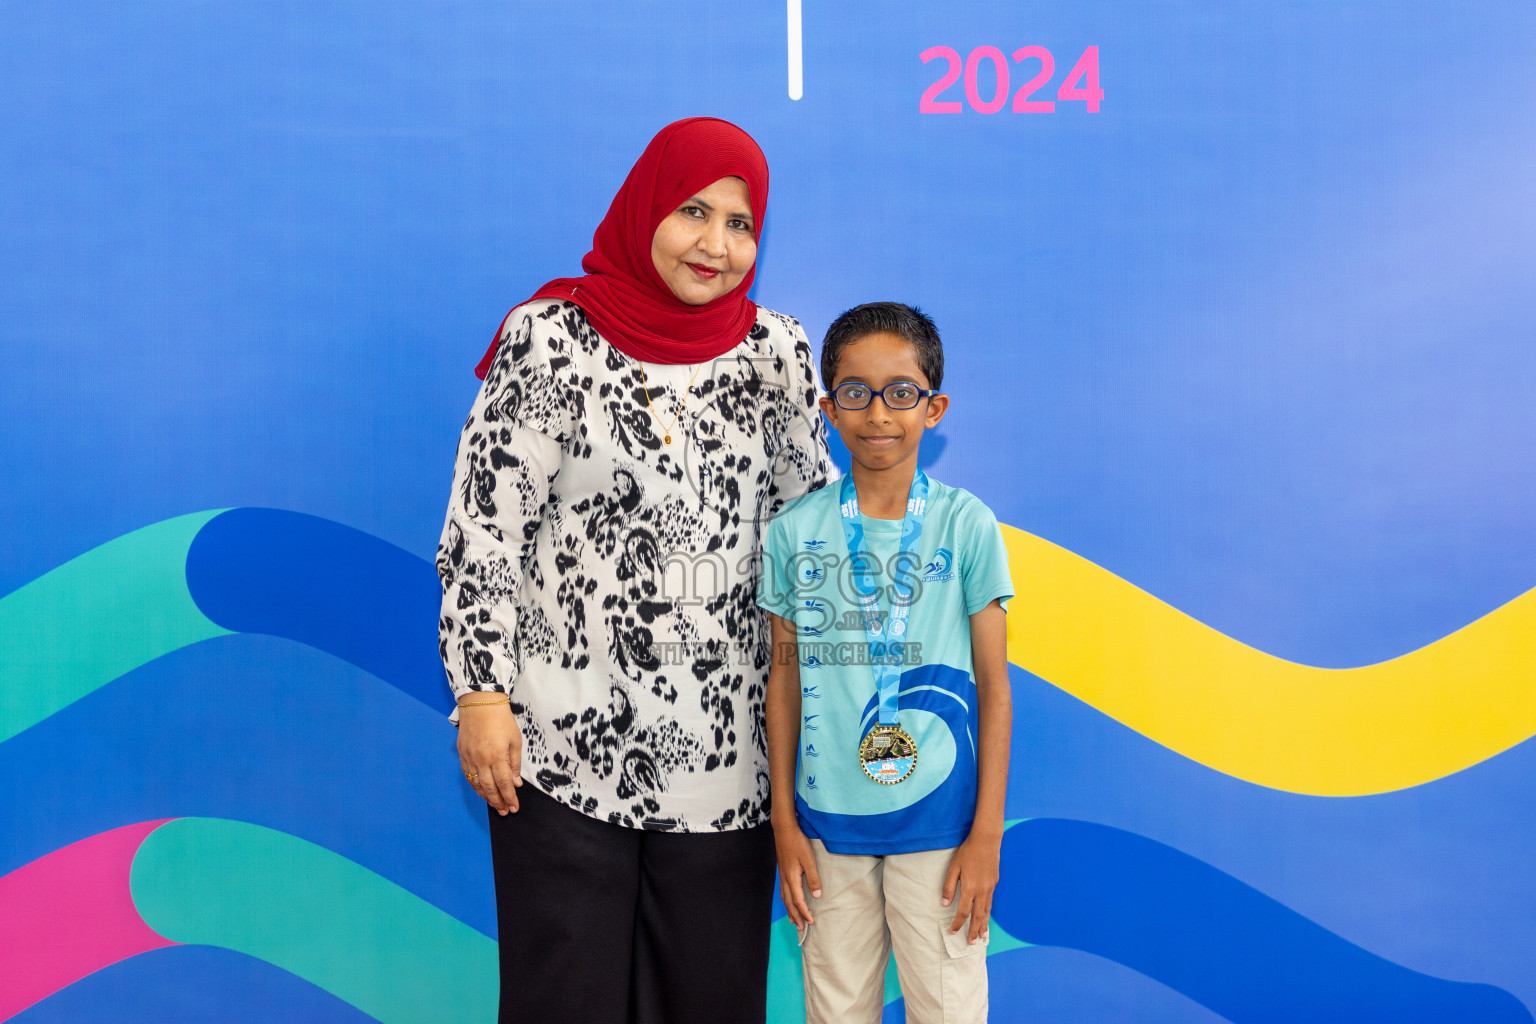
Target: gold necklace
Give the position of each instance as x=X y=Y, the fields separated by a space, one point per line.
x=667 y=431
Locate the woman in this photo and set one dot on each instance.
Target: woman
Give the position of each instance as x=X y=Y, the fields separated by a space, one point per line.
x=637 y=428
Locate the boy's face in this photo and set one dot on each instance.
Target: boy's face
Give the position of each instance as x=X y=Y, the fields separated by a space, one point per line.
x=877 y=436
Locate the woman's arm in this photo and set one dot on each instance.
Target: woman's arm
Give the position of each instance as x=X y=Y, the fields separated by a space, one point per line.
x=973 y=872
x=796 y=858
x=502 y=478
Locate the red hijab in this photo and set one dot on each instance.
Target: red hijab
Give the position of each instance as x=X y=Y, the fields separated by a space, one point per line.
x=621 y=293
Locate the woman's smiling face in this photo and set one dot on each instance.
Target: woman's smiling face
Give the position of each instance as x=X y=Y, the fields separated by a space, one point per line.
x=705 y=247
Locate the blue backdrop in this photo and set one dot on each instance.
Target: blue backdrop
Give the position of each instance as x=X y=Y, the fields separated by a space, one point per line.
x=1254 y=337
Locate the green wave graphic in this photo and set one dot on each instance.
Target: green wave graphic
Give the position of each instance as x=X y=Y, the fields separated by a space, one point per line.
x=95 y=617
x=318 y=915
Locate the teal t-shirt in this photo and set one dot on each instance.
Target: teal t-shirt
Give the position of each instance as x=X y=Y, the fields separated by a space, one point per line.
x=961 y=567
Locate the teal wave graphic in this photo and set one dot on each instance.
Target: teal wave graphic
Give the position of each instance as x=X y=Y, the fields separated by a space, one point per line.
x=97 y=616
x=315 y=914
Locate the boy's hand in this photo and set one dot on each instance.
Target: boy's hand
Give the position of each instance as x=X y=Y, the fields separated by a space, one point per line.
x=973 y=875
x=797 y=860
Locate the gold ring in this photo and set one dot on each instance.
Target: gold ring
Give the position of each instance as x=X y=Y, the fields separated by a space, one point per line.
x=471 y=778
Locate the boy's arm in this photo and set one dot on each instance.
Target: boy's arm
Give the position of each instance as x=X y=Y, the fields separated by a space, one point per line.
x=974 y=869
x=796 y=858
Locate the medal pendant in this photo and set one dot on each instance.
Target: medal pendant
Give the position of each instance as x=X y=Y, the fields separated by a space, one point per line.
x=888 y=754
x=667 y=438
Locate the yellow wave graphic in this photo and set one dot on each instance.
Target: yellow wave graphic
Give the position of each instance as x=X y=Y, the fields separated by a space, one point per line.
x=1277 y=723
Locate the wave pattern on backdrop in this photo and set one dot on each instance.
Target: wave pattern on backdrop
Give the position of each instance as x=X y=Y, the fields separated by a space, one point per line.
x=353 y=596
x=1236 y=305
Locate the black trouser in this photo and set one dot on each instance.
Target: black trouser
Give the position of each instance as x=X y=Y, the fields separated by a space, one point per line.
x=602 y=924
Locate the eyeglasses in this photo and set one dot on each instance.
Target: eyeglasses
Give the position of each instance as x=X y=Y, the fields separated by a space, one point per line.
x=897 y=395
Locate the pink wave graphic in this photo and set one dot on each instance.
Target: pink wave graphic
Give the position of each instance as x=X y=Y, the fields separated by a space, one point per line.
x=70 y=913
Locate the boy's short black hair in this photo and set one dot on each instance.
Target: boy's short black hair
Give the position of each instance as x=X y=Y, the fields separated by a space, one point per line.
x=907 y=322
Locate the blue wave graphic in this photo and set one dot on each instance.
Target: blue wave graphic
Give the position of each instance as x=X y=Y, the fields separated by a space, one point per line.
x=1049 y=983
x=192 y=985
x=343 y=591
x=1361 y=865
x=369 y=603
x=1218 y=941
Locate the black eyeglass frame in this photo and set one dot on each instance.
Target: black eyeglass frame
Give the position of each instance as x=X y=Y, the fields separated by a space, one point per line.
x=922 y=393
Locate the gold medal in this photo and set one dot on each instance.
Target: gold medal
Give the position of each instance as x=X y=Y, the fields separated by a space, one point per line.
x=888 y=754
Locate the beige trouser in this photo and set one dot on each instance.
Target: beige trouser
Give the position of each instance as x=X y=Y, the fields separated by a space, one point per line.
x=869 y=905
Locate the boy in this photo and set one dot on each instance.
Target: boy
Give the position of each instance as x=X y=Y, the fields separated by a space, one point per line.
x=888 y=707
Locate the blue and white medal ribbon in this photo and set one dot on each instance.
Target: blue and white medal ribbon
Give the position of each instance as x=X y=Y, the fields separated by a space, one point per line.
x=888 y=754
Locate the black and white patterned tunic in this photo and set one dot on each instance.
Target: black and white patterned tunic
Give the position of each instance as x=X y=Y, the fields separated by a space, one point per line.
x=607 y=580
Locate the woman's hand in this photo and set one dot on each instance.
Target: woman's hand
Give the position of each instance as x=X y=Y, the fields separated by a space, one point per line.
x=491 y=752
x=797 y=860
x=972 y=875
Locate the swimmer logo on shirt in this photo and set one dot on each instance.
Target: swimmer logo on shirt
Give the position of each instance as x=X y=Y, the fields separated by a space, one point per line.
x=938 y=570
